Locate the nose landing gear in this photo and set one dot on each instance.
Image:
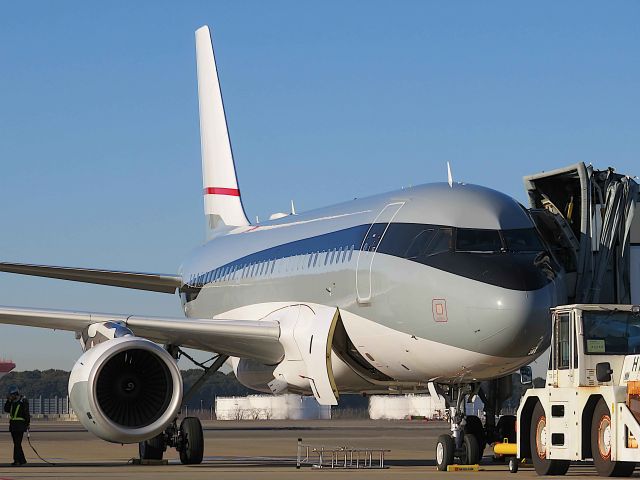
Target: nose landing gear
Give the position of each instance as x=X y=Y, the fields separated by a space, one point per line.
x=466 y=441
x=469 y=437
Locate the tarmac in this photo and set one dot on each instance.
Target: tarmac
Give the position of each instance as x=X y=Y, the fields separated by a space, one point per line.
x=250 y=449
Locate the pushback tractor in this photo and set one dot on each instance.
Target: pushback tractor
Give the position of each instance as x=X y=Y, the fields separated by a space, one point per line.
x=590 y=406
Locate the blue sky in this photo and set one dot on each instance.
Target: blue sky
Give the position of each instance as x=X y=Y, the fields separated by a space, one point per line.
x=326 y=101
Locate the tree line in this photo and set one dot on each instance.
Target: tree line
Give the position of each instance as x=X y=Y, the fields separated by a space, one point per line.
x=54 y=383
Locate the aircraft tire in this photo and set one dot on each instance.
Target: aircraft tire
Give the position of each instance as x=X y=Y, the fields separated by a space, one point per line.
x=152 y=449
x=471 y=453
x=538 y=438
x=601 y=445
x=192 y=449
x=475 y=428
x=445 y=449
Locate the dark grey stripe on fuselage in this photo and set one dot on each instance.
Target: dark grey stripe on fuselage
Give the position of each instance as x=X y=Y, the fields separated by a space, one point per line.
x=525 y=270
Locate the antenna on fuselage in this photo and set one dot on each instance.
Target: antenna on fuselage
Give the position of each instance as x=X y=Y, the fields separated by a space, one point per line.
x=293 y=208
x=449 y=176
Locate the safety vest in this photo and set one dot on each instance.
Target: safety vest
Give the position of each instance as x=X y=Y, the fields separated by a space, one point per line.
x=13 y=414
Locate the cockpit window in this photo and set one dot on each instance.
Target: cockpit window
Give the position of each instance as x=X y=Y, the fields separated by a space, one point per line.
x=522 y=240
x=420 y=243
x=475 y=240
x=441 y=242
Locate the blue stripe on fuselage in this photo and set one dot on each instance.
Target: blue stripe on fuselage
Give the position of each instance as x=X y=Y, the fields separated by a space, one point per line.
x=516 y=271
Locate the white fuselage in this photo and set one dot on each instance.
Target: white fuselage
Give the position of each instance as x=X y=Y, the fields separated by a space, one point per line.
x=410 y=321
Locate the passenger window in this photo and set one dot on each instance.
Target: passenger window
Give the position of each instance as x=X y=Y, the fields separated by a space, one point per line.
x=476 y=240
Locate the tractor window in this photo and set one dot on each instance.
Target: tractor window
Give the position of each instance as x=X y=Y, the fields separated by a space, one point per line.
x=562 y=341
x=575 y=351
x=611 y=332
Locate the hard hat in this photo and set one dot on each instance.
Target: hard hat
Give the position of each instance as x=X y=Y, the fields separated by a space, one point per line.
x=13 y=389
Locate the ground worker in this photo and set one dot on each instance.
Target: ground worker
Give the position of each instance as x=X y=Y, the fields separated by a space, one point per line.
x=18 y=409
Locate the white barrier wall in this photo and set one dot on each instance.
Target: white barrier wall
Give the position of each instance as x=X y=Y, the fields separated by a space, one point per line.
x=271 y=407
x=398 y=407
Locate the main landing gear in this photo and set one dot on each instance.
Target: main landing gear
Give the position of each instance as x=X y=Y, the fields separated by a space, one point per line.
x=188 y=438
x=469 y=437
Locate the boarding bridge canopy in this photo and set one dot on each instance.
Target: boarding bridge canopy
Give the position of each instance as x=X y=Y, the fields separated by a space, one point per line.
x=587 y=218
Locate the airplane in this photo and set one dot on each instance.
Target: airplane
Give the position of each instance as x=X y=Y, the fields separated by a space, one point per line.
x=442 y=287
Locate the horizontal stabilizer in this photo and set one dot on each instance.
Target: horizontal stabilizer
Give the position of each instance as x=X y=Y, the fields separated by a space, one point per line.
x=257 y=339
x=141 y=281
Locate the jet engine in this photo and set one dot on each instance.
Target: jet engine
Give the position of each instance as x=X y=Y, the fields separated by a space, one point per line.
x=126 y=389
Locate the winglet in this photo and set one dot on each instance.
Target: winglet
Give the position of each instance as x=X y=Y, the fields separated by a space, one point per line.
x=449 y=176
x=222 y=202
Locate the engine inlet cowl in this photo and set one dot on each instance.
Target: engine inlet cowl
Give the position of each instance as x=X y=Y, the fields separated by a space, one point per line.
x=125 y=390
x=134 y=388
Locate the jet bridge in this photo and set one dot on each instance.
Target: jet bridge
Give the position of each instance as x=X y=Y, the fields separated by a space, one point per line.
x=587 y=218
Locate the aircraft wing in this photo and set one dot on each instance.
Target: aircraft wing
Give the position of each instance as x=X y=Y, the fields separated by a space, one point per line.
x=154 y=282
x=257 y=339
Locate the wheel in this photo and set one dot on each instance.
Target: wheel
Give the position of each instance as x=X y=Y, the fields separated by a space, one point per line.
x=507 y=428
x=474 y=427
x=445 y=449
x=192 y=449
x=152 y=449
x=538 y=440
x=601 y=445
x=471 y=453
x=513 y=465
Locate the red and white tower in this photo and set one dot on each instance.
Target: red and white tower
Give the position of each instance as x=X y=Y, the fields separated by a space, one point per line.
x=5 y=367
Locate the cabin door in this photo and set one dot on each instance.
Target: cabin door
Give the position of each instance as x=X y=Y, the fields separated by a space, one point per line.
x=368 y=249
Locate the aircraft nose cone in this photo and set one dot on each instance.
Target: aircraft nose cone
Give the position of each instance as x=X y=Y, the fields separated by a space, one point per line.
x=521 y=322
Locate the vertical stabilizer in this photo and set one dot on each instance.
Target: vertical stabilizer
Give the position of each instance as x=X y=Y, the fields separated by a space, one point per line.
x=222 y=202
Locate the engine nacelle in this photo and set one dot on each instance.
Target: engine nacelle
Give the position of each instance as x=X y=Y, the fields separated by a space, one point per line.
x=125 y=390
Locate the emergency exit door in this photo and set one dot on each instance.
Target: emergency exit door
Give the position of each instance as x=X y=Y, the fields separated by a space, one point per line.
x=368 y=249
